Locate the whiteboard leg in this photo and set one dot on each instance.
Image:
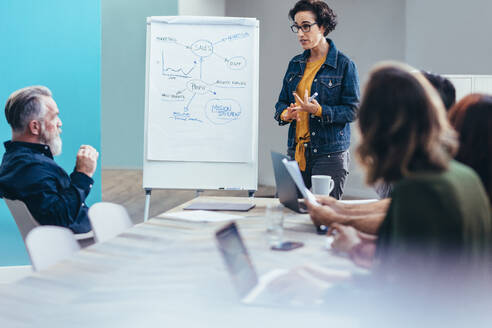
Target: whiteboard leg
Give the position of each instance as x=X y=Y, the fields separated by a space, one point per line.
x=251 y=193
x=198 y=192
x=147 y=204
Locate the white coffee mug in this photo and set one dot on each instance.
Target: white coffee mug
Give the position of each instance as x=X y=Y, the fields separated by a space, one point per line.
x=322 y=184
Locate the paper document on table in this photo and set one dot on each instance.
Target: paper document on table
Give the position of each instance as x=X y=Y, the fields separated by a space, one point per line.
x=201 y=216
x=296 y=175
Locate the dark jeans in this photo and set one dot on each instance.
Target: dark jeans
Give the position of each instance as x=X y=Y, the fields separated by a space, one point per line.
x=334 y=165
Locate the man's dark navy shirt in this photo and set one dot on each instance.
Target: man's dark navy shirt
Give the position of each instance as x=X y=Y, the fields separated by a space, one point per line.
x=29 y=173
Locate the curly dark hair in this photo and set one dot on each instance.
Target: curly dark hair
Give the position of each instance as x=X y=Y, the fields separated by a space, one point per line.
x=324 y=14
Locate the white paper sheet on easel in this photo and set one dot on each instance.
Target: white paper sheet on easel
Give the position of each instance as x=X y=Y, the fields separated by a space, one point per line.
x=201 y=216
x=201 y=89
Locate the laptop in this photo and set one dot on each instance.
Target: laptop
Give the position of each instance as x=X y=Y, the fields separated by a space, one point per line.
x=239 y=265
x=304 y=287
x=288 y=193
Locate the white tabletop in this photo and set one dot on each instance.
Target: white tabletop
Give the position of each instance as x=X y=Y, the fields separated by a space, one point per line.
x=166 y=272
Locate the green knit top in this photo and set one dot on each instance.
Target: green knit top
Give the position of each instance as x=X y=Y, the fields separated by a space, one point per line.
x=436 y=219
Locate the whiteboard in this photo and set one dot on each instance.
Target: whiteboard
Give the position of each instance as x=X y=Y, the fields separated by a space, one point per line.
x=201 y=103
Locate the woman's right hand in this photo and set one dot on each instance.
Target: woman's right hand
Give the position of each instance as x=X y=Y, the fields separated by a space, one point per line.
x=359 y=246
x=345 y=237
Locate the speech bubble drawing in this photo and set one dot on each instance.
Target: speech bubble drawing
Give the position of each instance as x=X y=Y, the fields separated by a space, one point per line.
x=222 y=111
x=202 y=48
x=197 y=86
x=236 y=63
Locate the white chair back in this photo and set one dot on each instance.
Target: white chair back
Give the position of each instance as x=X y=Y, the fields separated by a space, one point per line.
x=26 y=222
x=23 y=218
x=48 y=245
x=108 y=220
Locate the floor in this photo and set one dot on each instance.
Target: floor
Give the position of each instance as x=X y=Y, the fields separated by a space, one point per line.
x=125 y=187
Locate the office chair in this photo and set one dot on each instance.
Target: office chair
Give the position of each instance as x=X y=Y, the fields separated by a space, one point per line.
x=108 y=220
x=26 y=222
x=48 y=245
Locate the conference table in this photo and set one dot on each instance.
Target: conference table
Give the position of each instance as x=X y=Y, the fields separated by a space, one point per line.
x=169 y=272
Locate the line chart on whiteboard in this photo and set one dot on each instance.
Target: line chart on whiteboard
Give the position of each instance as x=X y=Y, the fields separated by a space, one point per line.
x=199 y=77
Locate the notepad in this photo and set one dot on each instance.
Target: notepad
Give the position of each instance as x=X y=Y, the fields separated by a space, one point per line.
x=201 y=216
x=240 y=207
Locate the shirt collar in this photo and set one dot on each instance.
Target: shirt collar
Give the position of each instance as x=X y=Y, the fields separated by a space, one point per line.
x=331 y=57
x=34 y=147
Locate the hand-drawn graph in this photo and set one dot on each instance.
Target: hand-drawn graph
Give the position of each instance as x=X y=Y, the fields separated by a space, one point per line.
x=201 y=91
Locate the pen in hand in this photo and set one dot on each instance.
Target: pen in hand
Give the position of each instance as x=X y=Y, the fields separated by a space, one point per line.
x=313 y=97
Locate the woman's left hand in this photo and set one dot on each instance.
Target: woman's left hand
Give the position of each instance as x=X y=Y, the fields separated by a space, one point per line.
x=305 y=105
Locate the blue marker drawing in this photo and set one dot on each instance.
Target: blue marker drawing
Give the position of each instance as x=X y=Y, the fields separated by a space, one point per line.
x=217 y=111
x=175 y=72
x=187 y=107
x=201 y=64
x=222 y=111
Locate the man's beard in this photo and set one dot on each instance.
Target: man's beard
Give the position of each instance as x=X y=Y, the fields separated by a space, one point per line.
x=53 y=140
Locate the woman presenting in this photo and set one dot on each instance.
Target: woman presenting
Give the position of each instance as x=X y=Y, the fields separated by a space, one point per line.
x=319 y=97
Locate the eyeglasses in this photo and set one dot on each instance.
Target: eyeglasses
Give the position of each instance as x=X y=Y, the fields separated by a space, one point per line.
x=304 y=27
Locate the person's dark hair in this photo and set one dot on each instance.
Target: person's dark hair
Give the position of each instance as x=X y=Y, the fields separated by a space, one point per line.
x=324 y=14
x=25 y=105
x=403 y=125
x=444 y=87
x=472 y=118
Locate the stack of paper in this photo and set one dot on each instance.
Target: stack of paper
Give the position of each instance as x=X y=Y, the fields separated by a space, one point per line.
x=200 y=216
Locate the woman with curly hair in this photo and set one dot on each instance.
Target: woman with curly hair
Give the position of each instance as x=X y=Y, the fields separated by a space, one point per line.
x=472 y=118
x=319 y=97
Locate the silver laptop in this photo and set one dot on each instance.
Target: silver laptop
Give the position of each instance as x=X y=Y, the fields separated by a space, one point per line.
x=302 y=287
x=288 y=193
x=250 y=288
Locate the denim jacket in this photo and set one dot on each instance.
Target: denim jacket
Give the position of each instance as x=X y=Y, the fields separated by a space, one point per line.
x=337 y=85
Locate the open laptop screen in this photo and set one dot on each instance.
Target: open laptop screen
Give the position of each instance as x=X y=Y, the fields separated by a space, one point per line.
x=236 y=258
x=287 y=191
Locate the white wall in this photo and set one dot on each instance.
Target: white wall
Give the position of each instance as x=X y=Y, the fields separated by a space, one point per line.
x=450 y=37
x=201 y=7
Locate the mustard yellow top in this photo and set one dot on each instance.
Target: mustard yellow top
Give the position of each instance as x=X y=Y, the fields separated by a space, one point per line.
x=302 y=127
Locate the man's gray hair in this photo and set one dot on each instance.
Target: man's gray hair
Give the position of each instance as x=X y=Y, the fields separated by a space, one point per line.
x=25 y=105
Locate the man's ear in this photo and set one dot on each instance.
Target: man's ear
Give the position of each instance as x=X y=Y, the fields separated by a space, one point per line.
x=34 y=127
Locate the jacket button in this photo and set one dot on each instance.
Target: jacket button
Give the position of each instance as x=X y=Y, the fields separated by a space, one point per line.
x=315 y=80
x=314 y=133
x=315 y=150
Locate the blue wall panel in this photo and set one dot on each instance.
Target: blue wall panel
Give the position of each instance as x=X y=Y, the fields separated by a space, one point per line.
x=56 y=43
x=123 y=77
